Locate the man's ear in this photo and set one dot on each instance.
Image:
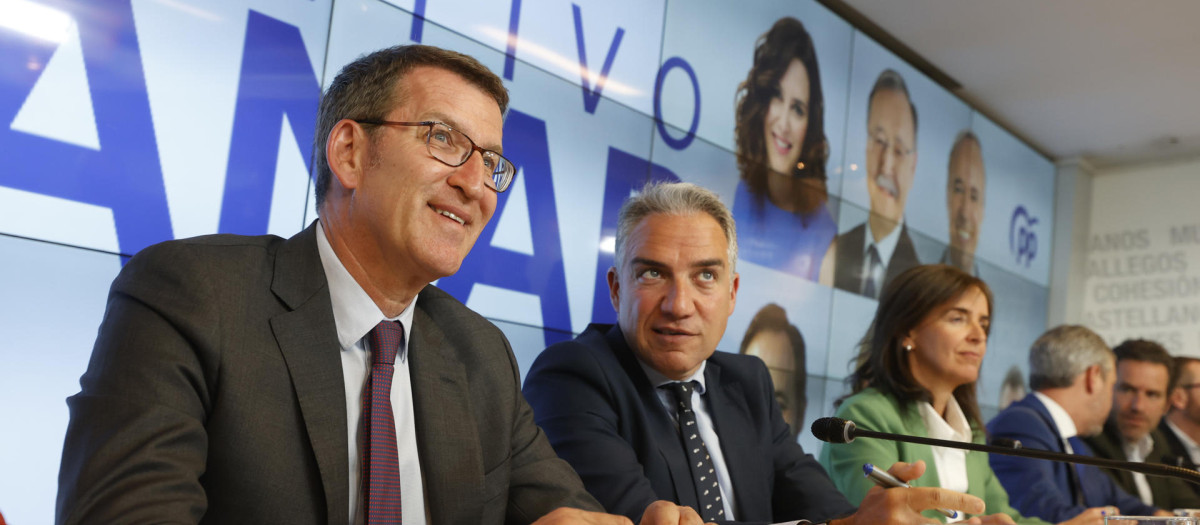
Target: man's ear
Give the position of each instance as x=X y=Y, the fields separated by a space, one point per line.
x=733 y=290
x=1178 y=399
x=1094 y=380
x=346 y=152
x=614 y=288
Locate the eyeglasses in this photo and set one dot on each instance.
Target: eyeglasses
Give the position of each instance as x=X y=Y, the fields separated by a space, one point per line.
x=453 y=148
x=880 y=143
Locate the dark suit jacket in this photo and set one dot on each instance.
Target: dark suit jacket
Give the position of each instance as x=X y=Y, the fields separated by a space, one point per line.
x=602 y=415
x=215 y=395
x=1043 y=488
x=1177 y=453
x=850 y=270
x=1168 y=493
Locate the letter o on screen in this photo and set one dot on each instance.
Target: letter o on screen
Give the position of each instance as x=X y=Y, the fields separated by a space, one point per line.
x=686 y=140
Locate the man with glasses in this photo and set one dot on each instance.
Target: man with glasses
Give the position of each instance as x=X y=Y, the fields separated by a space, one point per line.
x=862 y=259
x=1181 y=428
x=320 y=379
x=1144 y=373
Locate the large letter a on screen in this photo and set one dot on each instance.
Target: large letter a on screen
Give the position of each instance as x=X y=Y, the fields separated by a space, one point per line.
x=541 y=273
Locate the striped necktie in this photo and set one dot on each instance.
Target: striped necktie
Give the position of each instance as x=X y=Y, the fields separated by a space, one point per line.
x=381 y=464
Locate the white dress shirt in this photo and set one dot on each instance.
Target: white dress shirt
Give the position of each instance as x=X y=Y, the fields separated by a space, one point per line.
x=1062 y=420
x=951 y=463
x=355 y=314
x=707 y=429
x=885 y=248
x=1137 y=452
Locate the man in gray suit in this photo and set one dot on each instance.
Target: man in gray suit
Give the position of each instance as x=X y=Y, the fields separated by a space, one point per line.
x=231 y=376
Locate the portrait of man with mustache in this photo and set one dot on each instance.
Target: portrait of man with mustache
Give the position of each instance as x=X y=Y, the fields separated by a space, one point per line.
x=862 y=259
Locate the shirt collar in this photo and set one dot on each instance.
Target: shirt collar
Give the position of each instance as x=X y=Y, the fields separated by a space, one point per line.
x=1187 y=440
x=1138 y=450
x=1062 y=420
x=658 y=379
x=885 y=246
x=953 y=426
x=974 y=264
x=354 y=313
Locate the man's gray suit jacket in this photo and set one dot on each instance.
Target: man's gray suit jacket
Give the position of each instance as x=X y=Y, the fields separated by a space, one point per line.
x=215 y=395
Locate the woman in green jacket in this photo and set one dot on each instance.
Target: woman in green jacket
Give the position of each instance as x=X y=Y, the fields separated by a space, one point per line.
x=916 y=375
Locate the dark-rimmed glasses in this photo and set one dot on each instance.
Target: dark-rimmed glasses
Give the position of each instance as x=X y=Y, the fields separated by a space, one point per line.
x=453 y=148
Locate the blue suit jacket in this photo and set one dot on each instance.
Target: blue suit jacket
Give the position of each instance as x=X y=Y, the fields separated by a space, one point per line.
x=602 y=415
x=1043 y=488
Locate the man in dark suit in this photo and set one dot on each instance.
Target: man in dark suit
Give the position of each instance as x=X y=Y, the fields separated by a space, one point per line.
x=647 y=409
x=1144 y=373
x=1181 y=427
x=869 y=255
x=319 y=379
x=1072 y=377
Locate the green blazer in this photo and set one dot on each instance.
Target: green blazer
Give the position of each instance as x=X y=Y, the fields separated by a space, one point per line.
x=876 y=411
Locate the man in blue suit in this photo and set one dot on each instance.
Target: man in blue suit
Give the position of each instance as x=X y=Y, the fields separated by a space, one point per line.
x=1071 y=372
x=647 y=409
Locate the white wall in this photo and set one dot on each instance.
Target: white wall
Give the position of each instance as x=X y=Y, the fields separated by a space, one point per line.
x=1137 y=255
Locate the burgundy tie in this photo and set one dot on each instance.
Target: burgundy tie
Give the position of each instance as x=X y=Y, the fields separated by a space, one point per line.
x=381 y=466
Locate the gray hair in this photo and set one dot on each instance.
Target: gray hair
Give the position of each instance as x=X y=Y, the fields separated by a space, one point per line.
x=673 y=198
x=1064 y=352
x=890 y=80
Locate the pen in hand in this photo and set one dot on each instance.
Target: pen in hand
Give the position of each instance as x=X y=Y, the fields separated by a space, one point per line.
x=887 y=481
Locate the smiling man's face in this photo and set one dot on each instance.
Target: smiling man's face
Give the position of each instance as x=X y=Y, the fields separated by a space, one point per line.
x=420 y=216
x=891 y=154
x=674 y=291
x=965 y=187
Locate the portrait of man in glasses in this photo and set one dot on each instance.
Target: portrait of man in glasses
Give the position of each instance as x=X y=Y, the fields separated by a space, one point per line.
x=864 y=258
x=321 y=379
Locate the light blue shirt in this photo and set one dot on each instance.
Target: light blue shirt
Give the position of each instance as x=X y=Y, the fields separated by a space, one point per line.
x=707 y=430
x=886 y=247
x=355 y=314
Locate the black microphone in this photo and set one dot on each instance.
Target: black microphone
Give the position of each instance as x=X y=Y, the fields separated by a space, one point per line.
x=838 y=430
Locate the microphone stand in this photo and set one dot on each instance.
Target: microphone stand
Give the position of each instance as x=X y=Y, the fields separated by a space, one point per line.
x=1152 y=469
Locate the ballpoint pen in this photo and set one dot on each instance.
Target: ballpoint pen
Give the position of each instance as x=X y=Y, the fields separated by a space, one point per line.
x=887 y=481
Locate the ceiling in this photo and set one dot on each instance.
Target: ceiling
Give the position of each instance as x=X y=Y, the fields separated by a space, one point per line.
x=1112 y=82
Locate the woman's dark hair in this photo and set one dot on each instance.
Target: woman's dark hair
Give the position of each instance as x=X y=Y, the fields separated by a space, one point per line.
x=907 y=301
x=775 y=50
x=773 y=318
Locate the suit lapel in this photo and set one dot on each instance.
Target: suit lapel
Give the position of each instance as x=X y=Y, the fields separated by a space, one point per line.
x=1078 y=491
x=662 y=426
x=1043 y=412
x=914 y=425
x=743 y=460
x=1118 y=452
x=901 y=255
x=1161 y=488
x=447 y=439
x=307 y=339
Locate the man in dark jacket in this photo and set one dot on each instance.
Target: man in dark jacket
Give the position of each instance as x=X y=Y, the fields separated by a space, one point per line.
x=1144 y=373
